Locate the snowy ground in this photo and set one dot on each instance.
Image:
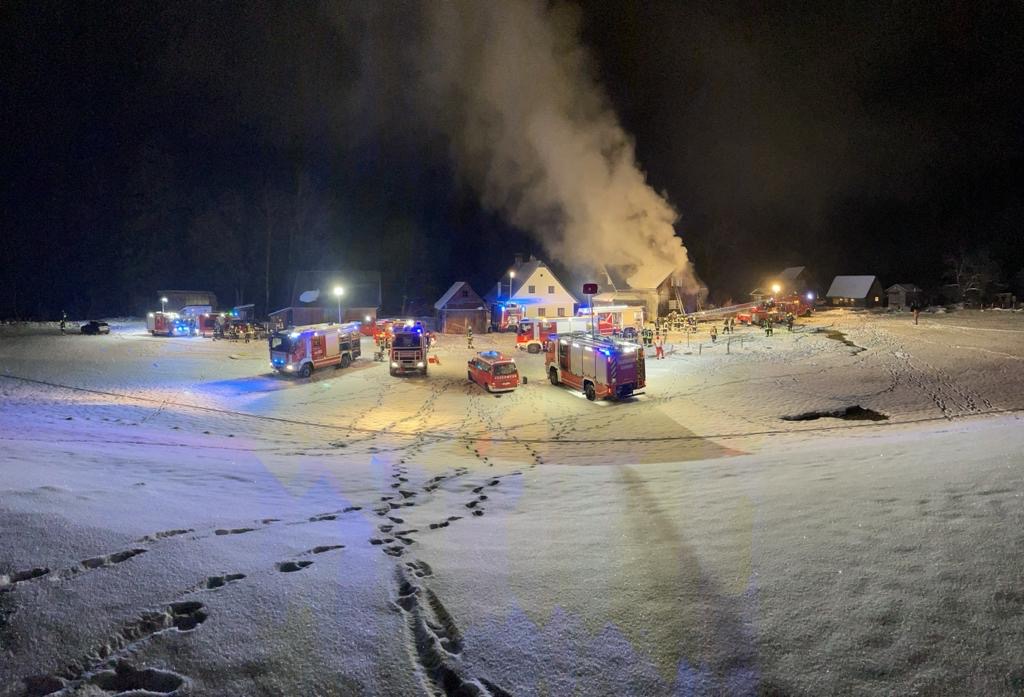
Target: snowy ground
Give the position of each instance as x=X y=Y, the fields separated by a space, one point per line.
x=176 y=520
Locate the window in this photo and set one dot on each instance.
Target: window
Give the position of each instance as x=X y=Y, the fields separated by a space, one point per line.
x=551 y=290
x=542 y=312
x=561 y=312
x=531 y=290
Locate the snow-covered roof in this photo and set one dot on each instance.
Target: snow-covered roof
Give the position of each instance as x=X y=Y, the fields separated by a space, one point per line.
x=851 y=286
x=449 y=294
x=907 y=287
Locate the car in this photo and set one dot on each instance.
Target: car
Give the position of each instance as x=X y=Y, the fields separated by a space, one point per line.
x=494 y=371
x=95 y=327
x=629 y=333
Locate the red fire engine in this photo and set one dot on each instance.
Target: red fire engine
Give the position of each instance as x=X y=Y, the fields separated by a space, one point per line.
x=408 y=350
x=494 y=371
x=300 y=350
x=776 y=310
x=506 y=316
x=601 y=367
x=534 y=334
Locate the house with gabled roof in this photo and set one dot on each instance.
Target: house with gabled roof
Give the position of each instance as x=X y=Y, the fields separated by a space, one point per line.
x=855 y=291
x=656 y=289
x=904 y=295
x=533 y=286
x=460 y=309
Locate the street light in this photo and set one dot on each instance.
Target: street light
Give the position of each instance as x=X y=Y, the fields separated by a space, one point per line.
x=163 y=304
x=776 y=288
x=339 y=291
x=511 y=275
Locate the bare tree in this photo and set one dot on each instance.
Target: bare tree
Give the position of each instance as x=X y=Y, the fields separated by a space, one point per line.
x=972 y=274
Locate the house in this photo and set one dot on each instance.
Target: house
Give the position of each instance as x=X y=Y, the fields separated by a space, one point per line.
x=792 y=280
x=314 y=301
x=903 y=295
x=855 y=291
x=534 y=287
x=655 y=291
x=461 y=308
x=177 y=300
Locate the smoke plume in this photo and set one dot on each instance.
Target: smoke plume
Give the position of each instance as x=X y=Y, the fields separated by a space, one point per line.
x=513 y=88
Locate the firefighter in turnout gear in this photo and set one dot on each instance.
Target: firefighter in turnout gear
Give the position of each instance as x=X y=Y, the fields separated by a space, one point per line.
x=469 y=337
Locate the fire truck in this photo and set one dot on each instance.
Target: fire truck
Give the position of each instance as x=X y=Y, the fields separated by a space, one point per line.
x=601 y=367
x=506 y=316
x=533 y=334
x=408 y=350
x=494 y=371
x=170 y=324
x=301 y=350
x=776 y=310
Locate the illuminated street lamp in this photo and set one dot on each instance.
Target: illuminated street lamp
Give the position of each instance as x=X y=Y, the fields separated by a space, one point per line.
x=339 y=291
x=511 y=276
x=776 y=288
x=163 y=304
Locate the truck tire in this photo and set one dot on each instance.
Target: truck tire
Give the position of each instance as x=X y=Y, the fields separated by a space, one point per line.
x=533 y=348
x=346 y=360
x=553 y=377
x=588 y=389
x=307 y=370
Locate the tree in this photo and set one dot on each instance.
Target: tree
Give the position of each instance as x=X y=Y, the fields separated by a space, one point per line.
x=971 y=274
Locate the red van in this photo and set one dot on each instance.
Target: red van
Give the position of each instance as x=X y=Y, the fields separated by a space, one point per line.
x=494 y=371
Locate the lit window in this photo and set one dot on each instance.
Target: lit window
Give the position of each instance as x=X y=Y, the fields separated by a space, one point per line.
x=551 y=290
x=531 y=290
x=561 y=312
x=542 y=312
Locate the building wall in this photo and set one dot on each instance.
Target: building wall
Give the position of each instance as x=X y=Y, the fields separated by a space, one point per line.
x=541 y=303
x=454 y=321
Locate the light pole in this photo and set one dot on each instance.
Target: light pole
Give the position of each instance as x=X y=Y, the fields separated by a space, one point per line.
x=163 y=304
x=776 y=288
x=339 y=291
x=511 y=276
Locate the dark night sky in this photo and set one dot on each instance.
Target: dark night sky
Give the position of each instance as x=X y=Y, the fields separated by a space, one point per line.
x=156 y=146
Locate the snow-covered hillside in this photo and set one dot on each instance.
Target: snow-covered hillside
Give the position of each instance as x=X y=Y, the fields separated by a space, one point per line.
x=175 y=520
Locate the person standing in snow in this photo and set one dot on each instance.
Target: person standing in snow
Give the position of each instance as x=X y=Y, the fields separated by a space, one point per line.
x=789 y=321
x=768 y=326
x=916 y=309
x=714 y=334
x=64 y=320
x=469 y=337
x=659 y=347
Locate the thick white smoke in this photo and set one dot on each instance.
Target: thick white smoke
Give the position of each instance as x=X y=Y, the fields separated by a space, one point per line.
x=512 y=86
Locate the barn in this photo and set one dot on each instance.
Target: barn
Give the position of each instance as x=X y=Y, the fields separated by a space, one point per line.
x=461 y=308
x=903 y=295
x=855 y=291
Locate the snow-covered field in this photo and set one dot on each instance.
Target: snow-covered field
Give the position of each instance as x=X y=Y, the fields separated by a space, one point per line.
x=175 y=520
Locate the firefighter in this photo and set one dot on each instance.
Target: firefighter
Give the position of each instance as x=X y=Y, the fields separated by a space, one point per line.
x=714 y=334
x=469 y=337
x=659 y=347
x=768 y=326
x=64 y=321
x=789 y=321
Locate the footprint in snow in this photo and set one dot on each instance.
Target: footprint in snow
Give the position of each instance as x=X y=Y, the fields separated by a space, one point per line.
x=291 y=566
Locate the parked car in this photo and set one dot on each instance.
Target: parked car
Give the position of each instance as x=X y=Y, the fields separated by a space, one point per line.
x=95 y=327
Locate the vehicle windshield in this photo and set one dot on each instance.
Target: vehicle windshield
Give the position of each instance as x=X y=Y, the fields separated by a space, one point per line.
x=505 y=369
x=280 y=342
x=409 y=340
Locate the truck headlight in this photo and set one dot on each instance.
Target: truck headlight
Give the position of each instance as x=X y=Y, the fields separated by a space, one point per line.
x=289 y=367
x=394 y=364
x=420 y=364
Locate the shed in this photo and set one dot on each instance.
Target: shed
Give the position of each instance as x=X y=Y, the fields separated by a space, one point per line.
x=855 y=291
x=903 y=295
x=313 y=299
x=460 y=308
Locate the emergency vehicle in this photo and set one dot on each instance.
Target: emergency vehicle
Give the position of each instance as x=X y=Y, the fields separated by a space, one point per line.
x=506 y=317
x=169 y=324
x=776 y=310
x=534 y=334
x=602 y=367
x=408 y=350
x=494 y=371
x=301 y=350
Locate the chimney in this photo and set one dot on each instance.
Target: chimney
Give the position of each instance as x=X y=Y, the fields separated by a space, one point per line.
x=518 y=260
